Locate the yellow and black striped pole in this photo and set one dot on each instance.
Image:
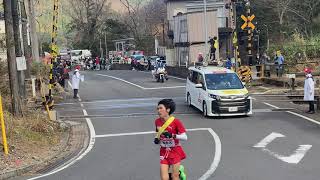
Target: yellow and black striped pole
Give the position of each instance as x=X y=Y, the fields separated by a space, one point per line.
x=236 y=47
x=54 y=47
x=249 y=37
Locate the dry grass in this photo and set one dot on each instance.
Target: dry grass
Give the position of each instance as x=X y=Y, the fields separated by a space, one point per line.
x=31 y=139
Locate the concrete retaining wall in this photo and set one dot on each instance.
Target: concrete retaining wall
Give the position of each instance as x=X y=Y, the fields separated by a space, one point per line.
x=181 y=72
x=120 y=67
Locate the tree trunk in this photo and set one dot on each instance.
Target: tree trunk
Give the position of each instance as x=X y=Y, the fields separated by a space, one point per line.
x=11 y=58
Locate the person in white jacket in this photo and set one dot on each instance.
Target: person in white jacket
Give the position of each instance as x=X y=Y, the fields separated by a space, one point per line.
x=76 y=77
x=309 y=90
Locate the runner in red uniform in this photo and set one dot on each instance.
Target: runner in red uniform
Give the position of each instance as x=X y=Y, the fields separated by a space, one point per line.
x=171 y=151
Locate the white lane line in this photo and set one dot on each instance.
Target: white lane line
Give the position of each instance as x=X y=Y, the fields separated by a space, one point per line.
x=264 y=142
x=124 y=100
x=81 y=105
x=217 y=155
x=296 y=114
x=80 y=155
x=304 y=117
x=85 y=112
x=125 y=134
x=145 y=132
x=70 y=84
x=136 y=85
x=169 y=87
x=174 y=77
x=268 y=104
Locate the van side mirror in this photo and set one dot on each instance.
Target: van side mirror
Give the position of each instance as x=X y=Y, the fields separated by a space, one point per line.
x=199 y=86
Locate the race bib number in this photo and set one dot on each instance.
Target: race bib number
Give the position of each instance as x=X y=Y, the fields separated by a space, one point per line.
x=167 y=143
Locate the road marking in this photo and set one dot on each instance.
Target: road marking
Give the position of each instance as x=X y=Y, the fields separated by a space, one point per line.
x=304 y=117
x=296 y=114
x=294 y=158
x=81 y=105
x=70 y=84
x=174 y=77
x=136 y=85
x=297 y=156
x=125 y=134
x=169 y=87
x=80 y=155
x=124 y=100
x=85 y=112
x=271 y=105
x=217 y=155
x=264 y=142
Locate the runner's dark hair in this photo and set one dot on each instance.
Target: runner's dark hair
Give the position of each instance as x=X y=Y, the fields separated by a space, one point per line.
x=169 y=104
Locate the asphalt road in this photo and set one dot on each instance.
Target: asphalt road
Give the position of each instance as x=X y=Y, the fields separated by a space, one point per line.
x=121 y=106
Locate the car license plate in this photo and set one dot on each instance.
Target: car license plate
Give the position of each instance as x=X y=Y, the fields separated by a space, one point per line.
x=233 y=109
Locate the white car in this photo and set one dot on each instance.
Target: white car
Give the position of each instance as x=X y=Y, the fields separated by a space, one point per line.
x=217 y=91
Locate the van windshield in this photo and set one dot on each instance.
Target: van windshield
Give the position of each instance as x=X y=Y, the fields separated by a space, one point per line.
x=223 y=81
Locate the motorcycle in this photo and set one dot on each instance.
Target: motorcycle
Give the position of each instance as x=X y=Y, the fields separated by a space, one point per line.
x=160 y=74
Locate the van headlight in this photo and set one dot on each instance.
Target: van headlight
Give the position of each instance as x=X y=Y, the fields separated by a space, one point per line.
x=216 y=97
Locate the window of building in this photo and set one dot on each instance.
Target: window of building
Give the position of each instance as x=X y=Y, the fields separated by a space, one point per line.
x=183 y=26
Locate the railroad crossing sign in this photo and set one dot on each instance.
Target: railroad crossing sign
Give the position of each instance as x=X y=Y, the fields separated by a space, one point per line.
x=248 y=22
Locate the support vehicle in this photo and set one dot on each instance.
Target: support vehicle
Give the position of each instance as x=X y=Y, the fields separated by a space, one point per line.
x=217 y=91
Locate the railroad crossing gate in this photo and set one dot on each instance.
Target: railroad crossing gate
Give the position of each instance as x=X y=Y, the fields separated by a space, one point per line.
x=248 y=22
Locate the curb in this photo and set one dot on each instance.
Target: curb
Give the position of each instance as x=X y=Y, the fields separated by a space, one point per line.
x=77 y=140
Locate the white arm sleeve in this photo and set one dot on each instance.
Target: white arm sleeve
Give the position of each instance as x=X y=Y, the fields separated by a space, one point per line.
x=182 y=136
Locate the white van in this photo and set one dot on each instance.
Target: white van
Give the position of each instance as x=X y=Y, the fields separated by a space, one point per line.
x=217 y=91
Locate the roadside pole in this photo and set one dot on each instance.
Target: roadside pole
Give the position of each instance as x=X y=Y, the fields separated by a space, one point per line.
x=106 y=46
x=3 y=129
x=205 y=29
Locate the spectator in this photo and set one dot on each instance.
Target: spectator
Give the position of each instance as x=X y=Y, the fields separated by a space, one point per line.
x=228 y=63
x=200 y=57
x=279 y=61
x=97 y=63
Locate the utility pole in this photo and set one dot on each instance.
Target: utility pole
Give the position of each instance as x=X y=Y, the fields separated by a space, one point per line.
x=205 y=26
x=11 y=58
x=250 y=34
x=163 y=39
x=26 y=39
x=105 y=44
x=101 y=52
x=33 y=32
x=17 y=28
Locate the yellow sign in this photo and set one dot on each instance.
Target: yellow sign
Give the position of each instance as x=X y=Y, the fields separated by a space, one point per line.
x=248 y=22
